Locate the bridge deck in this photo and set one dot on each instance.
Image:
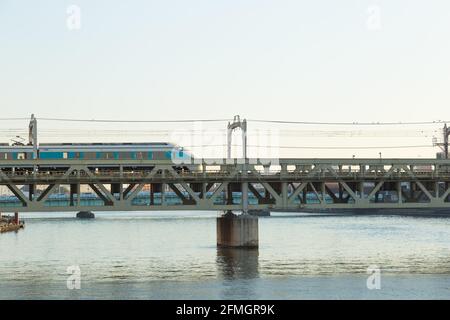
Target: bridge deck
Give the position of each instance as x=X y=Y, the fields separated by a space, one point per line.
x=223 y=184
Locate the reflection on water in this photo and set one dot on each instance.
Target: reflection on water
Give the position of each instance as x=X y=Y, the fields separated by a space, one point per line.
x=174 y=255
x=238 y=268
x=237 y=263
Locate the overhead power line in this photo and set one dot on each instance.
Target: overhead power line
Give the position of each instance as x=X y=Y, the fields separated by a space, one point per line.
x=13 y=119
x=224 y=120
x=133 y=121
x=80 y=132
x=314 y=147
x=348 y=123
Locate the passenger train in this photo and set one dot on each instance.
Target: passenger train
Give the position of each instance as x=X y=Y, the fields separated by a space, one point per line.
x=91 y=151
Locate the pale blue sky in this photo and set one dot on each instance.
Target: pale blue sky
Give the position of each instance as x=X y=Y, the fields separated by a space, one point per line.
x=293 y=60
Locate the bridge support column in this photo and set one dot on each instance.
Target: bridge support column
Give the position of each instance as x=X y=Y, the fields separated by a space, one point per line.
x=237 y=231
x=244 y=189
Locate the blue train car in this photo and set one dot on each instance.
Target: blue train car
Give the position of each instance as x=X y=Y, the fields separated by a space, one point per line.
x=114 y=151
x=17 y=152
x=101 y=151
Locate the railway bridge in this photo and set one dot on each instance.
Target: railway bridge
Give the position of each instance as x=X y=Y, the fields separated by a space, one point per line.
x=230 y=185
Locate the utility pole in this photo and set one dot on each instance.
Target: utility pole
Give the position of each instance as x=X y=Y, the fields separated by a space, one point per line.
x=32 y=135
x=237 y=123
x=443 y=145
x=446 y=134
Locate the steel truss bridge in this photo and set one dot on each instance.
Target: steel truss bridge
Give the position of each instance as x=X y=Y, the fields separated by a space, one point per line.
x=224 y=184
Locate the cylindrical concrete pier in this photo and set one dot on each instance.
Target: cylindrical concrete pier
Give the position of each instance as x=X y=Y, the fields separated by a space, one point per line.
x=237 y=231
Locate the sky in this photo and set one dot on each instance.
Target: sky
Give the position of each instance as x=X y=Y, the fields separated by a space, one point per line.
x=322 y=60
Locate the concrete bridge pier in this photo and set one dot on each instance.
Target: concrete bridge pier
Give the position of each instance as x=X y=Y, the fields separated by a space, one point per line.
x=237 y=231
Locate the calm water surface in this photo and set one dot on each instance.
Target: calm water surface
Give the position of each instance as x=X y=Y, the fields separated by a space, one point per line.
x=173 y=255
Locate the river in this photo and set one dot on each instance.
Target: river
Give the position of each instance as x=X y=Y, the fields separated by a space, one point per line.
x=173 y=255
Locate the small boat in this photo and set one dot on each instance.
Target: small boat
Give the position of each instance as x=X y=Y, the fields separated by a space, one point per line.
x=85 y=215
x=5 y=227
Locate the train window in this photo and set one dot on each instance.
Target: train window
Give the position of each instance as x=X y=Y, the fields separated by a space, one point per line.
x=64 y=155
x=21 y=156
x=127 y=155
x=87 y=155
x=109 y=155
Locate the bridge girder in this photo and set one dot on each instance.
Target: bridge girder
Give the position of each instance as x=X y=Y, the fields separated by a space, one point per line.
x=288 y=184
